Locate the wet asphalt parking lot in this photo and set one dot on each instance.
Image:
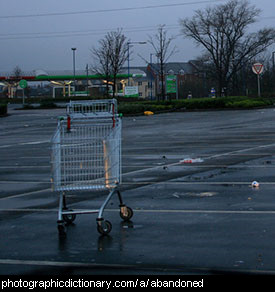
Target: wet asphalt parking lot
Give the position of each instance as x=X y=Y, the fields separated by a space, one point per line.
x=189 y=218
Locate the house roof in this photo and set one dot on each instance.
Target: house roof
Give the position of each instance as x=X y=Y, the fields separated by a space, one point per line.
x=176 y=67
x=135 y=71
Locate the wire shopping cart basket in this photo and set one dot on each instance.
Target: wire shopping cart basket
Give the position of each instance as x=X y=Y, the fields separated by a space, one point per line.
x=86 y=156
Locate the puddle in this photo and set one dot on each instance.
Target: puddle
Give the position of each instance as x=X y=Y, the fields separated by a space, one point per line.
x=158 y=157
x=193 y=194
x=144 y=179
x=130 y=225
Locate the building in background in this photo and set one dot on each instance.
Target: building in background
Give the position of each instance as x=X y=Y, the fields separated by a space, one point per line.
x=142 y=82
x=186 y=78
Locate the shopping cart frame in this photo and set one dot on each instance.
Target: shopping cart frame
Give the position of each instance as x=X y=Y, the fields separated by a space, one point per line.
x=91 y=115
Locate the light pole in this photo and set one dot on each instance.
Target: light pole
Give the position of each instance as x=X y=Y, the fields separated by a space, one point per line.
x=87 y=74
x=130 y=43
x=151 y=61
x=273 y=61
x=273 y=67
x=74 y=49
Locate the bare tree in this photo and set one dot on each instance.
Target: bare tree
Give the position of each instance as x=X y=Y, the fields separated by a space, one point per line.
x=111 y=56
x=222 y=31
x=161 y=44
x=119 y=53
x=17 y=72
x=102 y=57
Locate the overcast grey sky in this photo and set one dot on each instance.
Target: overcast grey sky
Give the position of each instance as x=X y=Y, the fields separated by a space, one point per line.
x=39 y=34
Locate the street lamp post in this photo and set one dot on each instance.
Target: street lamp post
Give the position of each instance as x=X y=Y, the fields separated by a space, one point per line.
x=273 y=67
x=74 y=49
x=273 y=62
x=87 y=74
x=130 y=43
x=151 y=61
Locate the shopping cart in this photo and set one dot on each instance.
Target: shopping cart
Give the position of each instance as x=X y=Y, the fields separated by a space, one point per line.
x=86 y=156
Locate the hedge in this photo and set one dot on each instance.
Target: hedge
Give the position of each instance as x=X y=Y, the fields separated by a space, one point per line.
x=46 y=104
x=135 y=108
x=222 y=103
x=66 y=99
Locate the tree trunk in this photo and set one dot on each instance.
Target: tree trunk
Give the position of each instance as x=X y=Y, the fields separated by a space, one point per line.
x=114 y=85
x=162 y=80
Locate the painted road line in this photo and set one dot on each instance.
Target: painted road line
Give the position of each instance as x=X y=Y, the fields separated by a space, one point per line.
x=24 y=182
x=28 y=210
x=164 y=211
x=24 y=166
x=61 y=264
x=122 y=266
x=251 y=212
x=25 y=143
x=26 y=194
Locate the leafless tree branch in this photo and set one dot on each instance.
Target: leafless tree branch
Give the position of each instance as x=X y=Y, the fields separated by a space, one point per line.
x=161 y=45
x=222 y=31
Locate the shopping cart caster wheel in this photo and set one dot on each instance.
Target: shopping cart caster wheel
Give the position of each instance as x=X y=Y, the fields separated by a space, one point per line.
x=126 y=213
x=104 y=227
x=69 y=218
x=61 y=229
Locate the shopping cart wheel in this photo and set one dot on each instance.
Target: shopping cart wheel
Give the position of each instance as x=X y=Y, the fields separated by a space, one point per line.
x=104 y=227
x=126 y=213
x=69 y=218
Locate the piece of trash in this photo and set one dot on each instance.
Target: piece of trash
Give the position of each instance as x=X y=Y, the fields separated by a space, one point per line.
x=255 y=184
x=148 y=113
x=186 y=161
x=191 y=160
x=207 y=194
x=237 y=263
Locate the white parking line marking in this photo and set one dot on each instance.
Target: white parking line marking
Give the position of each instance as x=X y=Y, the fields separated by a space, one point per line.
x=120 y=266
x=25 y=194
x=25 y=143
x=60 y=264
x=167 y=211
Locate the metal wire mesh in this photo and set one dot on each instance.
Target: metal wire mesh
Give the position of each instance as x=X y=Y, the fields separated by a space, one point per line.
x=88 y=157
x=95 y=108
